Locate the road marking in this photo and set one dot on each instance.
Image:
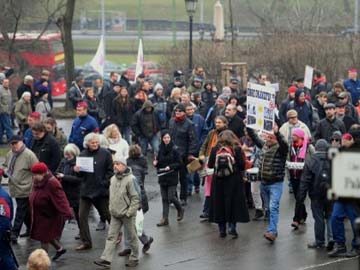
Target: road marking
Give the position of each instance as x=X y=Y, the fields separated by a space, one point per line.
x=327 y=263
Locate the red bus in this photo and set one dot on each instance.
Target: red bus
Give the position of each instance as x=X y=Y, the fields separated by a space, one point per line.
x=35 y=55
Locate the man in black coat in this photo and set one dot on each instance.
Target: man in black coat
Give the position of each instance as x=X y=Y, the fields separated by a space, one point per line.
x=76 y=91
x=26 y=86
x=328 y=125
x=236 y=124
x=108 y=104
x=45 y=147
x=182 y=132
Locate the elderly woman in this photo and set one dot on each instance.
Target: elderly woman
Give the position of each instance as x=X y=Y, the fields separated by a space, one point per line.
x=43 y=106
x=173 y=100
x=116 y=143
x=69 y=179
x=49 y=209
x=23 y=110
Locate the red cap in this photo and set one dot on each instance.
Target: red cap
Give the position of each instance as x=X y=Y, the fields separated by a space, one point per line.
x=39 y=168
x=352 y=70
x=82 y=104
x=35 y=115
x=347 y=136
x=292 y=89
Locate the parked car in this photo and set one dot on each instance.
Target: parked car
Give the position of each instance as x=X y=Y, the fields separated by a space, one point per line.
x=149 y=68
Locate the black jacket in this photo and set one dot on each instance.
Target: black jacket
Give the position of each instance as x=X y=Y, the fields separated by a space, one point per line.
x=184 y=137
x=139 y=125
x=108 y=102
x=93 y=107
x=209 y=98
x=75 y=94
x=237 y=126
x=26 y=88
x=122 y=115
x=284 y=109
x=168 y=156
x=272 y=159
x=96 y=184
x=326 y=128
x=47 y=150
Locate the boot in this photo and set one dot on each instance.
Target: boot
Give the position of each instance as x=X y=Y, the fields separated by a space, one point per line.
x=180 y=215
x=338 y=251
x=258 y=214
x=163 y=222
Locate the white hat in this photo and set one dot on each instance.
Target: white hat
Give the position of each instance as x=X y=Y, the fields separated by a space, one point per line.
x=119 y=158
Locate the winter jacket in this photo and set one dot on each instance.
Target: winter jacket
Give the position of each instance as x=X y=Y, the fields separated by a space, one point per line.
x=20 y=182
x=120 y=147
x=43 y=107
x=141 y=125
x=28 y=137
x=184 y=137
x=122 y=115
x=200 y=130
x=353 y=87
x=75 y=94
x=48 y=151
x=60 y=138
x=6 y=218
x=286 y=130
x=272 y=160
x=209 y=98
x=168 y=156
x=5 y=100
x=326 y=128
x=26 y=88
x=320 y=109
x=80 y=128
x=305 y=112
x=40 y=82
x=284 y=107
x=237 y=126
x=96 y=184
x=211 y=115
x=124 y=199
x=22 y=111
x=93 y=107
x=294 y=151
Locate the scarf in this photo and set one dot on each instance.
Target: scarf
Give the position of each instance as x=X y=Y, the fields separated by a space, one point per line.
x=303 y=147
x=13 y=160
x=212 y=143
x=180 y=119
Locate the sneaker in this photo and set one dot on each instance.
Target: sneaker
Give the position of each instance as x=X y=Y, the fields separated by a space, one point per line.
x=146 y=247
x=269 y=236
x=77 y=237
x=315 y=245
x=330 y=246
x=338 y=251
x=204 y=216
x=258 y=215
x=132 y=263
x=353 y=253
x=25 y=234
x=125 y=252
x=163 y=222
x=233 y=233
x=102 y=262
x=101 y=226
x=58 y=254
x=295 y=225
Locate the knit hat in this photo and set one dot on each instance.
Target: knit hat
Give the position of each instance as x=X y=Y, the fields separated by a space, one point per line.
x=39 y=168
x=26 y=94
x=224 y=98
x=291 y=113
x=336 y=135
x=82 y=104
x=72 y=149
x=35 y=115
x=347 y=136
x=298 y=132
x=119 y=159
x=321 y=145
x=352 y=70
x=158 y=86
x=292 y=89
x=198 y=79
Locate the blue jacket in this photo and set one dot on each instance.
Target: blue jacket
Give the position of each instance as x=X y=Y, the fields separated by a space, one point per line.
x=353 y=87
x=80 y=128
x=28 y=136
x=200 y=129
x=6 y=210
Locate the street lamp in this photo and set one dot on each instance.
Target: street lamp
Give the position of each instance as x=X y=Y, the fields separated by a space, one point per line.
x=190 y=6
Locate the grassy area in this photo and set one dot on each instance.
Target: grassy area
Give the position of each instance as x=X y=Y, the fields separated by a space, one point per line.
x=4 y=150
x=81 y=59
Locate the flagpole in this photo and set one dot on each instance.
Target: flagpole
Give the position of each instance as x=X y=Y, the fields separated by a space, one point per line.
x=103 y=31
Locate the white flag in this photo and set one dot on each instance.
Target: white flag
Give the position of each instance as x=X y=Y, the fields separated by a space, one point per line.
x=98 y=62
x=140 y=60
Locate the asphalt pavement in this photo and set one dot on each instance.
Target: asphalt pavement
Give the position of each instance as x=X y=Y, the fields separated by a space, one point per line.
x=192 y=244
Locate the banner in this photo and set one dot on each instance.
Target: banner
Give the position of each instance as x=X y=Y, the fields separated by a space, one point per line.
x=260 y=107
x=308 y=78
x=140 y=60
x=98 y=62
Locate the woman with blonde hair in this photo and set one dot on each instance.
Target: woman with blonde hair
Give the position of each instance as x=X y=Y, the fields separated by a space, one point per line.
x=173 y=101
x=116 y=143
x=38 y=260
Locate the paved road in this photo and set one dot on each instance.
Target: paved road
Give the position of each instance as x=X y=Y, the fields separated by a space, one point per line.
x=192 y=245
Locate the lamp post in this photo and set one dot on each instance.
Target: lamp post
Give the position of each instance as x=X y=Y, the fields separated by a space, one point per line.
x=190 y=6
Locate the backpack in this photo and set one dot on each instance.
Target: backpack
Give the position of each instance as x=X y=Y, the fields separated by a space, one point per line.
x=323 y=178
x=224 y=162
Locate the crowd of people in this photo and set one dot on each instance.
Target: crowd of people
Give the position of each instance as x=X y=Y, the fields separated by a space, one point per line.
x=193 y=134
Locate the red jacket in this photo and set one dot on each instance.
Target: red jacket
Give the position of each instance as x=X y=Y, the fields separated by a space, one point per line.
x=49 y=210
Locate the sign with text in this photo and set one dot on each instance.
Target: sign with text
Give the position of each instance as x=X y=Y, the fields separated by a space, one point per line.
x=260 y=107
x=308 y=78
x=345 y=180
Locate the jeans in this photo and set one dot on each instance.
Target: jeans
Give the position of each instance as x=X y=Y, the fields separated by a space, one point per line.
x=271 y=194
x=340 y=212
x=102 y=205
x=300 y=210
x=153 y=141
x=22 y=215
x=125 y=133
x=6 y=259
x=193 y=180
x=222 y=227
x=321 y=211
x=168 y=196
x=5 y=125
x=255 y=192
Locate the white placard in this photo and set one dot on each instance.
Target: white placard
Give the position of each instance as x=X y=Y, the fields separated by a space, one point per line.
x=308 y=78
x=86 y=164
x=260 y=107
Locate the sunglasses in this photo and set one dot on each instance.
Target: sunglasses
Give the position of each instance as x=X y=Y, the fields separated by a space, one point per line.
x=335 y=140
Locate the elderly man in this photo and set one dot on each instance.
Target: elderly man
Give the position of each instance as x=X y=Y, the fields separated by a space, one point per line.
x=236 y=124
x=27 y=86
x=82 y=125
x=94 y=189
x=293 y=122
x=5 y=110
x=18 y=162
x=271 y=174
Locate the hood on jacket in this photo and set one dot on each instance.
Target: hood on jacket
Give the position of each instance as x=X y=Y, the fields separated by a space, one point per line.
x=120 y=176
x=147 y=104
x=298 y=93
x=321 y=145
x=158 y=86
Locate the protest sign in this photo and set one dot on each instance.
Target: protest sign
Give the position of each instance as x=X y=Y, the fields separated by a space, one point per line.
x=308 y=78
x=86 y=164
x=260 y=107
